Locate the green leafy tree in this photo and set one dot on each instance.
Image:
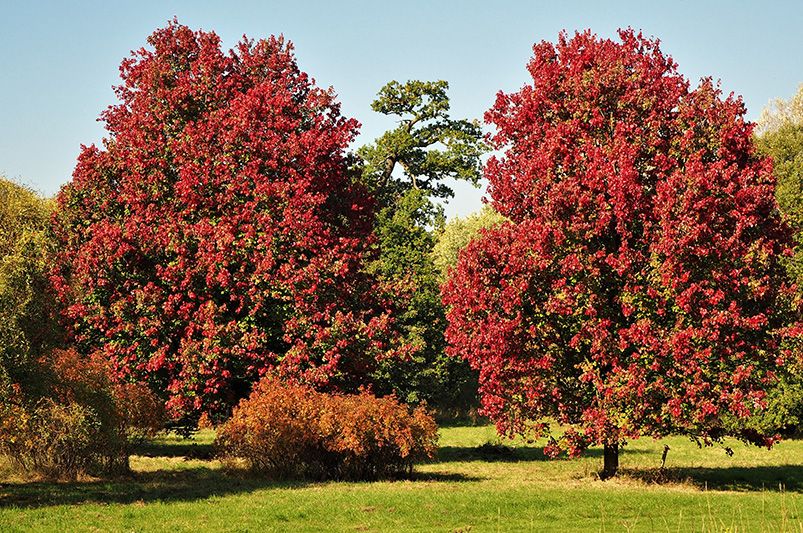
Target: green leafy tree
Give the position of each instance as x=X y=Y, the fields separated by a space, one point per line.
x=427 y=144
x=407 y=169
x=780 y=136
x=28 y=327
x=458 y=233
x=404 y=239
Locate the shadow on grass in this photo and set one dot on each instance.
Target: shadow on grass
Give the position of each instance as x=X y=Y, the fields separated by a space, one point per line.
x=780 y=478
x=162 y=485
x=190 y=450
x=443 y=477
x=489 y=453
x=166 y=486
x=492 y=453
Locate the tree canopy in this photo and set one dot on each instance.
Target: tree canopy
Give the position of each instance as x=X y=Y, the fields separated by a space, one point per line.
x=638 y=288
x=456 y=235
x=780 y=136
x=427 y=144
x=217 y=234
x=28 y=325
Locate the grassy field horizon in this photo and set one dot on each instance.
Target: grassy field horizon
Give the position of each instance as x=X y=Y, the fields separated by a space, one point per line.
x=474 y=485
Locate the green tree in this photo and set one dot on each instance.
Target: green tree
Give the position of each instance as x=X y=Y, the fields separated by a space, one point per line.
x=427 y=144
x=780 y=136
x=404 y=239
x=458 y=233
x=406 y=169
x=60 y=413
x=28 y=327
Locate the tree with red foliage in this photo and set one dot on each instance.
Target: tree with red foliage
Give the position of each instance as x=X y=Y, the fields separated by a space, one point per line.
x=638 y=286
x=217 y=234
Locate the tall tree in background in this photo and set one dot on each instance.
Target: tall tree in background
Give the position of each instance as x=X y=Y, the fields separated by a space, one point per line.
x=428 y=145
x=456 y=235
x=639 y=286
x=406 y=169
x=780 y=135
x=28 y=314
x=217 y=234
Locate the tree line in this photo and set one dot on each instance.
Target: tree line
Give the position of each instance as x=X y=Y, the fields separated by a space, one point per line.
x=632 y=274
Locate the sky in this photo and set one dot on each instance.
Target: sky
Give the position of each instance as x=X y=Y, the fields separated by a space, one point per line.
x=59 y=60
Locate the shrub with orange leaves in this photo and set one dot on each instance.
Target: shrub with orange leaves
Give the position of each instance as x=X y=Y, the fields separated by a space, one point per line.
x=83 y=425
x=72 y=430
x=141 y=414
x=292 y=430
x=132 y=407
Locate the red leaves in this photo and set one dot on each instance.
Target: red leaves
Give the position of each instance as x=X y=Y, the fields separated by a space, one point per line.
x=638 y=288
x=217 y=233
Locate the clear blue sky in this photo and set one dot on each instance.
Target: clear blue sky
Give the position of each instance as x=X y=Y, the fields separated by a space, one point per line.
x=59 y=59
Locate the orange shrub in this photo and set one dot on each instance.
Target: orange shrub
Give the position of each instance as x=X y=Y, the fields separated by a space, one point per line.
x=206 y=422
x=83 y=425
x=375 y=437
x=72 y=429
x=276 y=430
x=140 y=412
x=62 y=441
x=287 y=429
x=131 y=407
x=13 y=417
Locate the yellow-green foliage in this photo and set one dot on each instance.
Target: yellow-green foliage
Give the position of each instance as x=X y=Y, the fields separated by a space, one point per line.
x=27 y=325
x=780 y=136
x=458 y=233
x=780 y=113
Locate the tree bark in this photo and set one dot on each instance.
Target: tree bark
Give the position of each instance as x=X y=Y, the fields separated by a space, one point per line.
x=390 y=164
x=611 y=460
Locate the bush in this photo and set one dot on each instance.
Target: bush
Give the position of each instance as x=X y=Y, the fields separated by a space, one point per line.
x=141 y=413
x=131 y=408
x=291 y=430
x=63 y=441
x=783 y=415
x=377 y=437
x=82 y=426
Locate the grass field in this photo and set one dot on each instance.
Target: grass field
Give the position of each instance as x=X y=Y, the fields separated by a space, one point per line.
x=177 y=487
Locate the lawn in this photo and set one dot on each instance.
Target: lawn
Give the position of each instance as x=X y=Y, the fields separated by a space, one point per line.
x=472 y=486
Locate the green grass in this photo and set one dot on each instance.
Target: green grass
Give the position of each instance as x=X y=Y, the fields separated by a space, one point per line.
x=176 y=486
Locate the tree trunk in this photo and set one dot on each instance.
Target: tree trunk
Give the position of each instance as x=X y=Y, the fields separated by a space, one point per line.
x=387 y=172
x=611 y=460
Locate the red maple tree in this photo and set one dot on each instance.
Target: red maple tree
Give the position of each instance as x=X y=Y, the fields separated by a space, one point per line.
x=638 y=287
x=217 y=233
